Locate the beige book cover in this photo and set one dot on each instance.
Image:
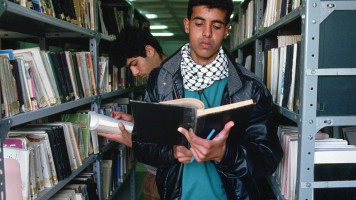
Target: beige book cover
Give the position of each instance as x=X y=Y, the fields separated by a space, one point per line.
x=40 y=69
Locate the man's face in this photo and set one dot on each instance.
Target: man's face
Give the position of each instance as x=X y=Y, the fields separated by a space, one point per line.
x=140 y=66
x=207 y=29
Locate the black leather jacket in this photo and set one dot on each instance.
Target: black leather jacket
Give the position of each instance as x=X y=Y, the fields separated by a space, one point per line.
x=252 y=155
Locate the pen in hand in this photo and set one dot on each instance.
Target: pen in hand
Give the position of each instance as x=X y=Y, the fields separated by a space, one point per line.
x=207 y=138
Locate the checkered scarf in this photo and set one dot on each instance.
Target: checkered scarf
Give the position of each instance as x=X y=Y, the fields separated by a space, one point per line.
x=199 y=77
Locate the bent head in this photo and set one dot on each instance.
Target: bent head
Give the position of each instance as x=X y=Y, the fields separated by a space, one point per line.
x=137 y=49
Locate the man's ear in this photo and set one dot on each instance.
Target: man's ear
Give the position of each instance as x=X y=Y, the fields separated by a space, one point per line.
x=186 y=25
x=150 y=51
x=226 y=30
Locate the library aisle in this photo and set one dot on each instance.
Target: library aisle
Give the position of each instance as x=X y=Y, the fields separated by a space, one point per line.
x=124 y=191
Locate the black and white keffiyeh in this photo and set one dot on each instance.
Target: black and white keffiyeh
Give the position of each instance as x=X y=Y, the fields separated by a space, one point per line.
x=198 y=77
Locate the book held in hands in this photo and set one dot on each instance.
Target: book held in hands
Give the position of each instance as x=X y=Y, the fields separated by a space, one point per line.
x=158 y=122
x=106 y=124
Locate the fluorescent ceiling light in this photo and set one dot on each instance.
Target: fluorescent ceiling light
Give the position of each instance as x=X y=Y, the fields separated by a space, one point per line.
x=158 y=27
x=237 y=0
x=162 y=34
x=151 y=16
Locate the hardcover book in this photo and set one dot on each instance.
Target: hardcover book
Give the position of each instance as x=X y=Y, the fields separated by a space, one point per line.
x=158 y=122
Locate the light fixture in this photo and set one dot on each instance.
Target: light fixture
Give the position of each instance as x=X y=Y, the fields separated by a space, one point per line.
x=232 y=15
x=237 y=0
x=162 y=34
x=151 y=16
x=158 y=27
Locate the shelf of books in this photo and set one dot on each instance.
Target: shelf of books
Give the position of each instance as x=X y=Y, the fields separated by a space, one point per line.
x=47 y=149
x=304 y=52
x=36 y=23
x=49 y=192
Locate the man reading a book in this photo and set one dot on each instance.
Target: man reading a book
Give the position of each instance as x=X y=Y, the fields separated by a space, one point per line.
x=229 y=165
x=140 y=51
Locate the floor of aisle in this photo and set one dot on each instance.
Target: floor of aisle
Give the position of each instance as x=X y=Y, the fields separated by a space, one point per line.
x=124 y=191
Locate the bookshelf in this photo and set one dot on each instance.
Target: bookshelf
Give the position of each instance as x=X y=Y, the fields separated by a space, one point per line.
x=18 y=23
x=327 y=76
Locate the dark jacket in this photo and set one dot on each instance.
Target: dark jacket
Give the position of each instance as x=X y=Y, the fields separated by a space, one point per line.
x=248 y=156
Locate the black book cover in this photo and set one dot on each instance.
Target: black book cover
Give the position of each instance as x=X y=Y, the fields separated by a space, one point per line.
x=77 y=75
x=58 y=9
x=19 y=83
x=58 y=83
x=158 y=122
x=63 y=151
x=55 y=152
x=267 y=48
x=283 y=8
x=59 y=74
x=287 y=75
x=64 y=64
x=109 y=19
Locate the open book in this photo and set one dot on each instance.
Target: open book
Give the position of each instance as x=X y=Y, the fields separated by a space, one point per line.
x=158 y=122
x=106 y=124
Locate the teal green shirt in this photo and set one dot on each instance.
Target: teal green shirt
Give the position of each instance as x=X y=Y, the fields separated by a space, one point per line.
x=201 y=179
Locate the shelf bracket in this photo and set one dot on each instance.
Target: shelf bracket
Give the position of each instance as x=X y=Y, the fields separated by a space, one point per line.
x=329 y=184
x=331 y=72
x=322 y=122
x=330 y=6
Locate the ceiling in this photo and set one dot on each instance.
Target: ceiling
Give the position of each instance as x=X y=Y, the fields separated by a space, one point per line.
x=169 y=12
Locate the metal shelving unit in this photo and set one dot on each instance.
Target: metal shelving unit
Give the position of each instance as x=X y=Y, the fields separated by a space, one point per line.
x=327 y=69
x=20 y=22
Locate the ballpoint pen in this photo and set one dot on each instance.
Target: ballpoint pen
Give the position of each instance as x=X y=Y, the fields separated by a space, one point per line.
x=207 y=138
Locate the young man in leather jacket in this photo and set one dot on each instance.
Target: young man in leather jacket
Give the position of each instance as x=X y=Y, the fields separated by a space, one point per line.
x=140 y=51
x=229 y=165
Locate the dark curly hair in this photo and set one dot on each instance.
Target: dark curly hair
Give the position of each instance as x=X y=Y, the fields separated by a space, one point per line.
x=131 y=42
x=221 y=4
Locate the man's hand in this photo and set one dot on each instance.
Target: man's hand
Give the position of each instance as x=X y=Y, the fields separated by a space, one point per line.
x=122 y=116
x=182 y=154
x=123 y=138
x=206 y=150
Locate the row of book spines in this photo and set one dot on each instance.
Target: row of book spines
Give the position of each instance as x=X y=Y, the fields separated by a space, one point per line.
x=11 y=68
x=282 y=72
x=46 y=165
x=63 y=144
x=332 y=160
x=270 y=17
x=82 y=187
x=275 y=10
x=79 y=12
x=117 y=166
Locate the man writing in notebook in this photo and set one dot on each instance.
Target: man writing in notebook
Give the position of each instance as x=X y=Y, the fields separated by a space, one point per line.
x=229 y=165
x=138 y=50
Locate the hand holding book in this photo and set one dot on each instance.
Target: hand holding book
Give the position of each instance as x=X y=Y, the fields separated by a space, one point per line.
x=124 y=138
x=113 y=129
x=203 y=149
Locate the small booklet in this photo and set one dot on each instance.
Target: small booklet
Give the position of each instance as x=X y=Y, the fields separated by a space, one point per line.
x=106 y=124
x=158 y=122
